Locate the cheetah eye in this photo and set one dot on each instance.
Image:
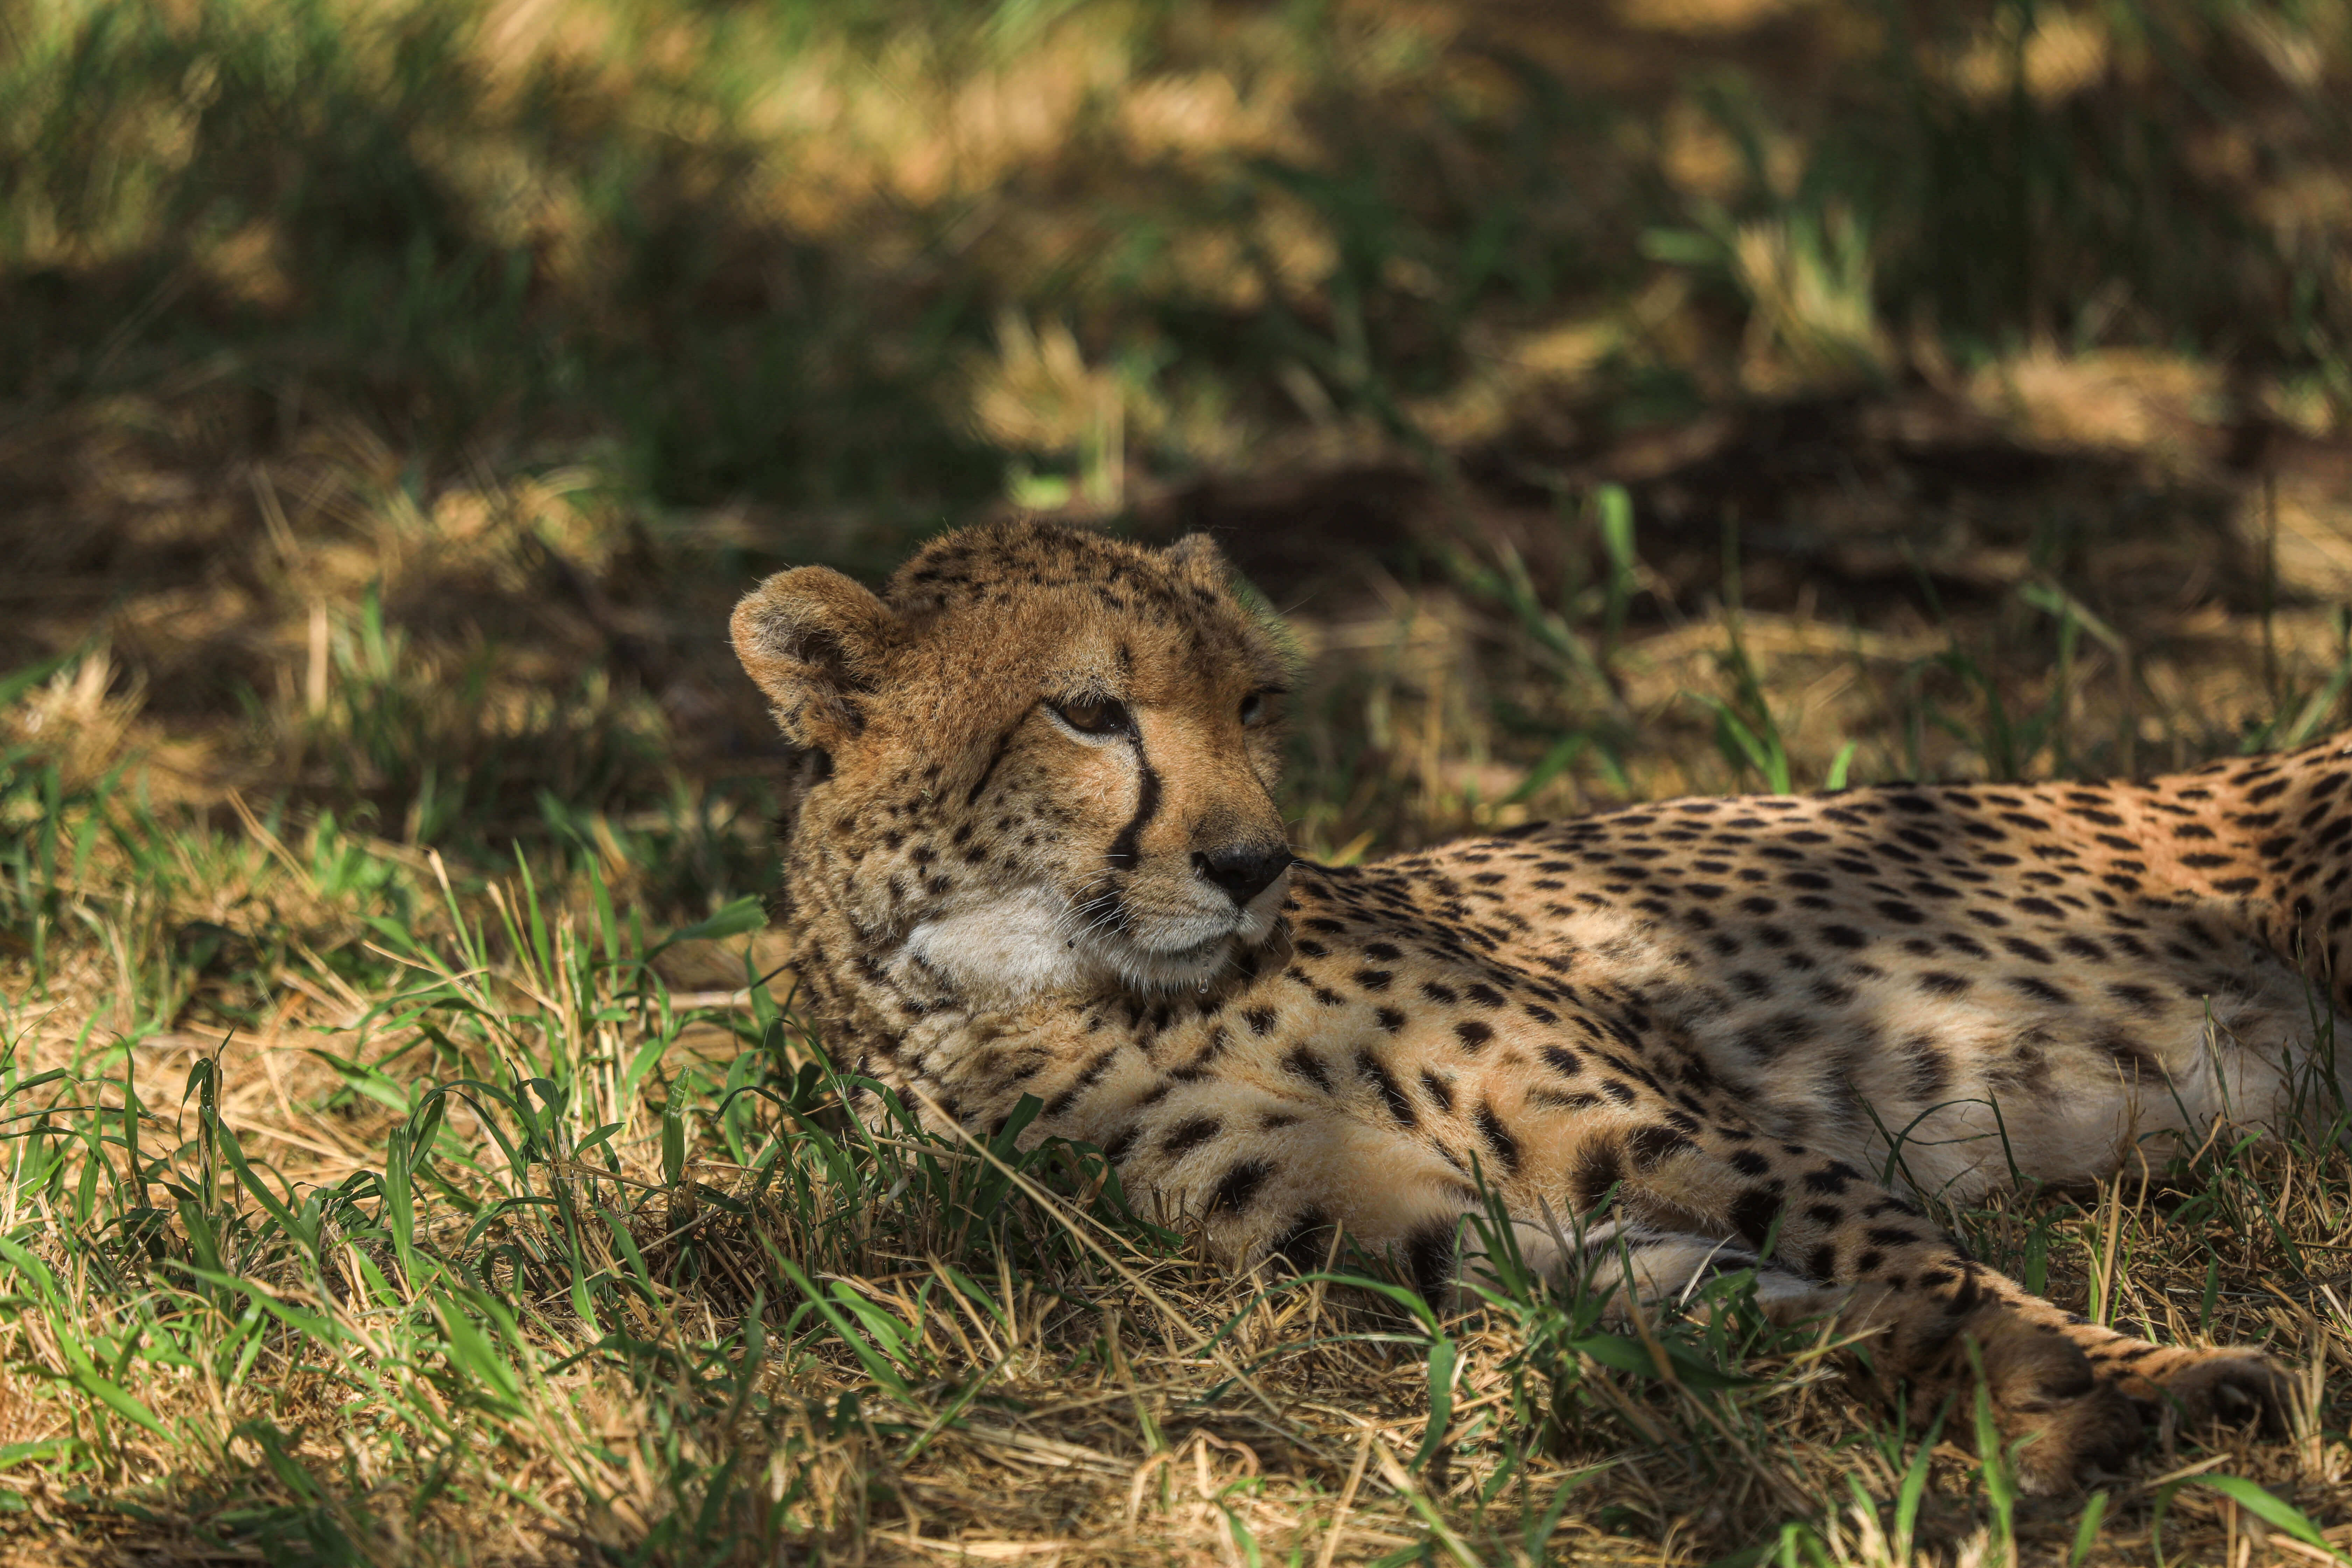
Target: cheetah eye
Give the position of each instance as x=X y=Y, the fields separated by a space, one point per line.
x=1094 y=716
x=1258 y=707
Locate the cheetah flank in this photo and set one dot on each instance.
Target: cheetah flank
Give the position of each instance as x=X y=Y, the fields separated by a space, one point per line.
x=1033 y=849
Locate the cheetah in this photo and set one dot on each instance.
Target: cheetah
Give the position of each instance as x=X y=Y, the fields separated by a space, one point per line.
x=1032 y=849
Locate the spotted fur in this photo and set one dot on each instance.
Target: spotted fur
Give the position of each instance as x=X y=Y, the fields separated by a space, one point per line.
x=1034 y=852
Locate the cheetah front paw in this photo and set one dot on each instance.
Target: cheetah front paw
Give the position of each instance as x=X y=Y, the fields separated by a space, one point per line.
x=2062 y=1424
x=2074 y=1439
x=2223 y=1388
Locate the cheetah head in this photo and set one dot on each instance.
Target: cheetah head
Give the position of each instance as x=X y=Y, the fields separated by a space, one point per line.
x=1041 y=759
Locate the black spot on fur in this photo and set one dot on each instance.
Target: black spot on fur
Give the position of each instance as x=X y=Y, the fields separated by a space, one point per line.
x=1305 y=1242
x=1085 y=1080
x=1238 y=1185
x=1597 y=1171
x=1499 y=1138
x=1302 y=1062
x=1429 y=1254
x=1188 y=1135
x=1832 y=1178
x=2136 y=1059
x=1652 y=1144
x=1392 y=1093
x=2040 y=990
x=1753 y=1214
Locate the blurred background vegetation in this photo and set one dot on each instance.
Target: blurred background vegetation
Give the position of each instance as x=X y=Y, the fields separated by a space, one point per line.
x=1614 y=397
x=398 y=391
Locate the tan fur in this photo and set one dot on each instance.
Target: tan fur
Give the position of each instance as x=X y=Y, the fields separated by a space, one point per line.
x=1691 y=1031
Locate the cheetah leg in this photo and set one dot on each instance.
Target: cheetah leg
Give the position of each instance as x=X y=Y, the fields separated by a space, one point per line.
x=1637 y=1266
x=1924 y=1303
x=2228 y=1385
x=2042 y=1387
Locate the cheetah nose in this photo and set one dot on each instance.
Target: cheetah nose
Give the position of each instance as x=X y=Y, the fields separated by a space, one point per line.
x=1243 y=870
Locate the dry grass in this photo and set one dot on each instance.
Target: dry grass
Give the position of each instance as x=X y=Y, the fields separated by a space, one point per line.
x=1613 y=401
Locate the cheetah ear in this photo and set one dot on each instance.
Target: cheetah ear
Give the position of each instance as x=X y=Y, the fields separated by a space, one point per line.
x=1198 y=561
x=817 y=644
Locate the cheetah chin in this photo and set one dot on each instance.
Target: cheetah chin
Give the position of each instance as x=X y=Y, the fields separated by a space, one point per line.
x=1031 y=849
x=1038 y=940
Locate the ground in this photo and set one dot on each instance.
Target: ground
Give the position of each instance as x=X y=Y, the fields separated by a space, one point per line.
x=1676 y=398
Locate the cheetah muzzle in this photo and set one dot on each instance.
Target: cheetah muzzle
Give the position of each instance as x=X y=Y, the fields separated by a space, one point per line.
x=1033 y=849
